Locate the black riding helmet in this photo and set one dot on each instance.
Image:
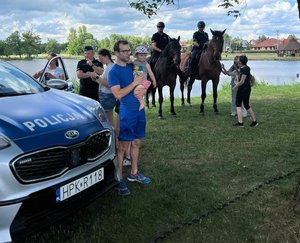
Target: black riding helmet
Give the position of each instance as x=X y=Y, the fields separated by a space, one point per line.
x=201 y=24
x=161 y=24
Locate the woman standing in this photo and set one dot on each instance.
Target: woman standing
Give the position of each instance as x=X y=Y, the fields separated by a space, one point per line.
x=243 y=93
x=234 y=72
x=106 y=97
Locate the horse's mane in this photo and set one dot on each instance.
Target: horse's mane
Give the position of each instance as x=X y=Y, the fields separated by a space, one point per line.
x=171 y=45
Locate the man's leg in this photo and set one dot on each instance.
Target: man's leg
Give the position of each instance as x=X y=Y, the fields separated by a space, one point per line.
x=134 y=153
x=122 y=148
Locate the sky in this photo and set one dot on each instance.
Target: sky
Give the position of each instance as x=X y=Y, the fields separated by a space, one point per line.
x=54 y=18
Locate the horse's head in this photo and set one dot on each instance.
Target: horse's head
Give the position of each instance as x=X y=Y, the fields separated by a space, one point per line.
x=217 y=43
x=173 y=49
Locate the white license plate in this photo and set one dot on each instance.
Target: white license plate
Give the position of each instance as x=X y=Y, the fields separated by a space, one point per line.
x=79 y=185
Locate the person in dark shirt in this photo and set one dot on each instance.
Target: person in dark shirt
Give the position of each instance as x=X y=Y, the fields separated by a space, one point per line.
x=159 y=41
x=243 y=93
x=88 y=70
x=200 y=40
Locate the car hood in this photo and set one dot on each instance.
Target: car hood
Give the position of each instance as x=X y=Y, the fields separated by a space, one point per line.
x=44 y=115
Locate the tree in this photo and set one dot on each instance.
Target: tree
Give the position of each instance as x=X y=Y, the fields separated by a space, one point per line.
x=30 y=43
x=52 y=46
x=262 y=38
x=15 y=45
x=150 y=8
x=78 y=39
x=4 y=49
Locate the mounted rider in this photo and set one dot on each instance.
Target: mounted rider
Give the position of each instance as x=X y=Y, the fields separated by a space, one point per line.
x=200 y=42
x=159 y=41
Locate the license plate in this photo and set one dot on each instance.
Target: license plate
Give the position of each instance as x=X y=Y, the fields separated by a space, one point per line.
x=79 y=185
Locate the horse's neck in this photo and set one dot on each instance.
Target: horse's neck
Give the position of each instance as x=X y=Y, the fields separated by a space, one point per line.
x=209 y=54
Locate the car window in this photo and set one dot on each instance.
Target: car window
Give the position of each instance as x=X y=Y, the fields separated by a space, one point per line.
x=15 y=82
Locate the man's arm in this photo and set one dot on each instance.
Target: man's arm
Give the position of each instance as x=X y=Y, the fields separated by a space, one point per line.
x=119 y=93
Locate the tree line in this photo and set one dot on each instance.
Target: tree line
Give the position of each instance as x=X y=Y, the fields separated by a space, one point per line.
x=30 y=44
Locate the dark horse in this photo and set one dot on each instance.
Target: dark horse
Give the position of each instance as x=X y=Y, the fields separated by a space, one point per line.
x=165 y=71
x=209 y=68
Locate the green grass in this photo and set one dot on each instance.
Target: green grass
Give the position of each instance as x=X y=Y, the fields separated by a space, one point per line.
x=197 y=162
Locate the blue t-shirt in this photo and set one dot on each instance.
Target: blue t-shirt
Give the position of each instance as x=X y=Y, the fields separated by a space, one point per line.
x=123 y=76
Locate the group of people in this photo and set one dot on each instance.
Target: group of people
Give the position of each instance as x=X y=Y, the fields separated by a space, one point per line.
x=119 y=86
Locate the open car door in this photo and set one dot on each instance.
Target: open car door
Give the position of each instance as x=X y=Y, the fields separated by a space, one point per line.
x=57 y=83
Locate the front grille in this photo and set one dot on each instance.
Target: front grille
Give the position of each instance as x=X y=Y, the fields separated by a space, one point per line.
x=41 y=209
x=53 y=162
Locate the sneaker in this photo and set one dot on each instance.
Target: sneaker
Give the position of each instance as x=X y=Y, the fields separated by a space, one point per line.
x=126 y=161
x=254 y=124
x=139 y=177
x=123 y=189
x=238 y=124
x=233 y=114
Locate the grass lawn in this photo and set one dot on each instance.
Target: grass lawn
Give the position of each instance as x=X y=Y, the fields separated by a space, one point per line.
x=198 y=162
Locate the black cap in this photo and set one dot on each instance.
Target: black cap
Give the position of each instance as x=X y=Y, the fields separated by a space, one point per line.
x=88 y=48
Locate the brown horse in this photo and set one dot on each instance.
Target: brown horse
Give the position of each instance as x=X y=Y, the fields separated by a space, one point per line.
x=209 y=68
x=165 y=71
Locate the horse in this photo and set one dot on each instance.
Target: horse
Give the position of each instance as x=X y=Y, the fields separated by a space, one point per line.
x=166 y=70
x=208 y=68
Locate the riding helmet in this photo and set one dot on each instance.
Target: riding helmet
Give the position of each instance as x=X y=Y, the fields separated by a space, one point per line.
x=201 y=24
x=141 y=50
x=161 y=24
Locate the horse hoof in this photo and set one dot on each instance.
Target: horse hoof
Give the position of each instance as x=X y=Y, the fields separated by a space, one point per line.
x=174 y=114
x=182 y=104
x=160 y=117
x=189 y=105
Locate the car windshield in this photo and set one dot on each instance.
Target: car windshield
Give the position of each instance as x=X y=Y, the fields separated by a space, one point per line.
x=15 y=82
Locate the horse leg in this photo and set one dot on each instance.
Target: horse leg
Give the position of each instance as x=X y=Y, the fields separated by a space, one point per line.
x=203 y=94
x=172 y=87
x=182 y=81
x=215 y=95
x=153 y=91
x=189 y=89
x=147 y=97
x=160 y=99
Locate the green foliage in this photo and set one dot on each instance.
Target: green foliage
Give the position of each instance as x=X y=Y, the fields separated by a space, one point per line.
x=147 y=7
x=52 y=46
x=30 y=43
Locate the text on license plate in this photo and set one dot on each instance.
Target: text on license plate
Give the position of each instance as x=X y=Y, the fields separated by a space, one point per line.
x=79 y=185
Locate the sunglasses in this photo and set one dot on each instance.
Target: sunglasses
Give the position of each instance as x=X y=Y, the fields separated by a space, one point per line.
x=160 y=27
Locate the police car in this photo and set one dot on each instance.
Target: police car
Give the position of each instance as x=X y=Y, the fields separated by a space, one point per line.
x=57 y=153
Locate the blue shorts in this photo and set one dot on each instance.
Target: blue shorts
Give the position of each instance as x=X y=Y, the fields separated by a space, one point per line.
x=132 y=124
x=108 y=101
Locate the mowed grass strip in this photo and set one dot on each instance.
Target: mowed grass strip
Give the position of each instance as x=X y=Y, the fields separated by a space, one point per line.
x=197 y=162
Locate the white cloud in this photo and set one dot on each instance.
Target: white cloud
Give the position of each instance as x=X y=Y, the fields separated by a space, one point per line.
x=53 y=19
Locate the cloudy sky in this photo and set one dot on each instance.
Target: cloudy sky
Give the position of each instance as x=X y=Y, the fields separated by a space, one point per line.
x=54 y=18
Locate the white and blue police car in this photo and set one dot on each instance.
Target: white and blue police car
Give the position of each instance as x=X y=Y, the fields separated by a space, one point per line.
x=57 y=153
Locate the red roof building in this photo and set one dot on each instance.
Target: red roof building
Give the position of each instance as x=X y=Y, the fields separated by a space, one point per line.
x=267 y=45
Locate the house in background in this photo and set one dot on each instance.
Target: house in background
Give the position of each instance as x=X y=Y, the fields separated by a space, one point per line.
x=289 y=48
x=267 y=45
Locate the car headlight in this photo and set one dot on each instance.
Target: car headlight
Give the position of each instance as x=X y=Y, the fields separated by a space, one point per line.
x=4 y=143
x=98 y=111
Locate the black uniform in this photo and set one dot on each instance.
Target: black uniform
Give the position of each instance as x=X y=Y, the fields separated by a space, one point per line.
x=88 y=87
x=200 y=38
x=161 y=41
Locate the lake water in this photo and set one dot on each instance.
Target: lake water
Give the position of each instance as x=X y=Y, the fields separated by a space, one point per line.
x=270 y=72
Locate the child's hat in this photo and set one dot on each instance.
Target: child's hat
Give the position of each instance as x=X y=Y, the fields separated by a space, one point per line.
x=141 y=50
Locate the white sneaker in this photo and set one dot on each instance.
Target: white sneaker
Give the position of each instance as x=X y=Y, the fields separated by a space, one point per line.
x=126 y=161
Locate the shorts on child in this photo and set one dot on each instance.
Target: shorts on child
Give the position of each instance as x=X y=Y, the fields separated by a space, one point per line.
x=107 y=100
x=132 y=124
